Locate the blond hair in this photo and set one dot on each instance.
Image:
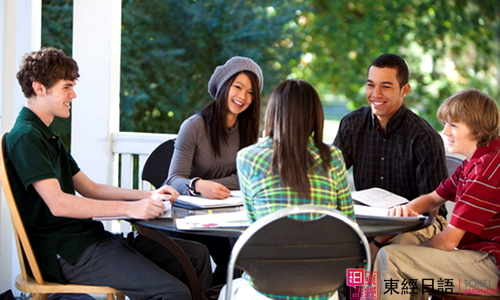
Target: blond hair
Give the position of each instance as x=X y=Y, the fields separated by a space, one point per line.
x=477 y=110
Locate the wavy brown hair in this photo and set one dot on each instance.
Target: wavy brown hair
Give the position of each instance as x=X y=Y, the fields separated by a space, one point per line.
x=215 y=116
x=295 y=113
x=47 y=66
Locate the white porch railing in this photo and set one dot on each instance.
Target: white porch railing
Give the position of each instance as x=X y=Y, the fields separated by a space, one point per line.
x=131 y=149
x=135 y=146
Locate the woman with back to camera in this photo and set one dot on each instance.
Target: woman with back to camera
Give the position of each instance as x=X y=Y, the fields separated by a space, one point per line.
x=203 y=162
x=204 y=159
x=269 y=182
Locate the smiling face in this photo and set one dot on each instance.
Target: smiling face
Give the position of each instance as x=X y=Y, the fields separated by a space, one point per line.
x=384 y=94
x=459 y=139
x=54 y=102
x=240 y=97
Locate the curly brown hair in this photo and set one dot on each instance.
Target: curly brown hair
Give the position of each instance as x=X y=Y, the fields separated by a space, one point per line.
x=47 y=66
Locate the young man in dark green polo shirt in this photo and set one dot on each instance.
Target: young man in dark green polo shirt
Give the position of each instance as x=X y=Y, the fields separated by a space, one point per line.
x=69 y=246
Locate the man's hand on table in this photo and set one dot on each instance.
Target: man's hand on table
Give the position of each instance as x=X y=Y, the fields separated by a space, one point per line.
x=402 y=211
x=153 y=206
x=145 y=209
x=165 y=192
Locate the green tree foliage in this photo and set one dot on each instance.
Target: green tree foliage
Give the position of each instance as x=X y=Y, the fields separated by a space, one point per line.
x=449 y=45
x=170 y=48
x=57 y=30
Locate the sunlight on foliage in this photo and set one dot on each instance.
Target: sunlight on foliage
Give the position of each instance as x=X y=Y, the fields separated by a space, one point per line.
x=170 y=48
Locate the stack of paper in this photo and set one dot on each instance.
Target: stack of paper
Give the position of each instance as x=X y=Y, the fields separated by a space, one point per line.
x=378 y=197
x=362 y=210
x=377 y=203
x=221 y=220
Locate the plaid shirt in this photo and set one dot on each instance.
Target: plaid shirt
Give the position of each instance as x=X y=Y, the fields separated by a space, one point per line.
x=263 y=192
x=409 y=160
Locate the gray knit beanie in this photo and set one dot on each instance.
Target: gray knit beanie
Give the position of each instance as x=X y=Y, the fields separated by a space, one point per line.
x=233 y=66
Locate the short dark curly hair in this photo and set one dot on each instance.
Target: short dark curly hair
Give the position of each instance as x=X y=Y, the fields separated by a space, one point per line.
x=393 y=61
x=47 y=66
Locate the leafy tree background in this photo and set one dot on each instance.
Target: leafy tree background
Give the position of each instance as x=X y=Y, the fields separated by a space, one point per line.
x=170 y=48
x=57 y=30
x=449 y=45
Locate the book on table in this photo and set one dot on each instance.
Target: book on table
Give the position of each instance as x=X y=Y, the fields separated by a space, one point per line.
x=377 y=197
x=376 y=202
x=191 y=202
x=363 y=210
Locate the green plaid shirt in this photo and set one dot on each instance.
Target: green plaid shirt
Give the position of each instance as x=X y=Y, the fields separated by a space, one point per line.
x=263 y=192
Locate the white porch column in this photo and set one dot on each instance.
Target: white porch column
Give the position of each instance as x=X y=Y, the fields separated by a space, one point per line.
x=20 y=32
x=96 y=49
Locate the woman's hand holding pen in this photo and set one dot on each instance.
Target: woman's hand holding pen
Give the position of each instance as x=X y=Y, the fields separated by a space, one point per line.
x=211 y=189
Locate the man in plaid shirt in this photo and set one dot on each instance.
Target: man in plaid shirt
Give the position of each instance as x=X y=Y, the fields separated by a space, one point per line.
x=390 y=147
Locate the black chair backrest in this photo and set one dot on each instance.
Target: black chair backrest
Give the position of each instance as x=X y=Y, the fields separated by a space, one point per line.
x=291 y=257
x=156 y=167
x=452 y=164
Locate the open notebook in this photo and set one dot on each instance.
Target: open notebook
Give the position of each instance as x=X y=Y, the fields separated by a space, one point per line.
x=191 y=202
x=378 y=197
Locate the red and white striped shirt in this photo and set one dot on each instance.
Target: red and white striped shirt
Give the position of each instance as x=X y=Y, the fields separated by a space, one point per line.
x=475 y=189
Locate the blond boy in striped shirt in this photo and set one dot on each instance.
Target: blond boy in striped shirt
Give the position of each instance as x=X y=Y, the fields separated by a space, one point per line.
x=468 y=250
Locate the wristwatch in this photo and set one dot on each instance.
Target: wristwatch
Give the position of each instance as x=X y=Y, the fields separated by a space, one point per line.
x=378 y=244
x=192 y=187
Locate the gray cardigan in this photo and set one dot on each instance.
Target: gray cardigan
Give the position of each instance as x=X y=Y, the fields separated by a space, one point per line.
x=193 y=157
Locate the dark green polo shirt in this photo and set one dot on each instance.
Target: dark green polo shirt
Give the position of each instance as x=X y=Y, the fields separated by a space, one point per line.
x=34 y=152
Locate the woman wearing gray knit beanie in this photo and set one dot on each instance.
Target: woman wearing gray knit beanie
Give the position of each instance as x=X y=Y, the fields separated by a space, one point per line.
x=204 y=160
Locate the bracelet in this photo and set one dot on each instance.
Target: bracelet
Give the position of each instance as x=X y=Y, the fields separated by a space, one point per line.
x=192 y=187
x=378 y=244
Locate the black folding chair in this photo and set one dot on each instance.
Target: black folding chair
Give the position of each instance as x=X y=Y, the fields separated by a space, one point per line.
x=156 y=167
x=292 y=257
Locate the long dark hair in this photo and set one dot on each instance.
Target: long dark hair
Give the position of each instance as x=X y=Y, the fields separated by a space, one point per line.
x=215 y=116
x=294 y=113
